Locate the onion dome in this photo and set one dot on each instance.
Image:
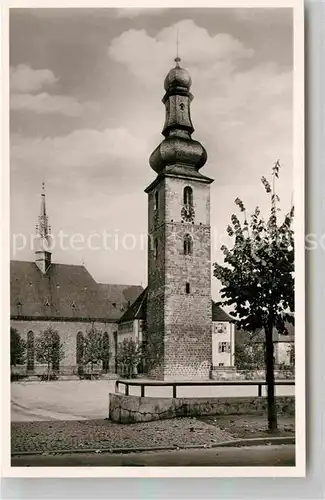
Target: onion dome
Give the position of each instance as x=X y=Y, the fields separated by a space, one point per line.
x=178 y=77
x=178 y=149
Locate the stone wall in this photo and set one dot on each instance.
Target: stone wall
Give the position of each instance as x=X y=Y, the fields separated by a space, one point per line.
x=67 y=331
x=179 y=323
x=156 y=281
x=129 y=409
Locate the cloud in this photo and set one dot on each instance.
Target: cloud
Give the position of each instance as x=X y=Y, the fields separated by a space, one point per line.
x=25 y=84
x=241 y=112
x=25 y=79
x=111 y=152
x=148 y=57
x=46 y=104
x=132 y=13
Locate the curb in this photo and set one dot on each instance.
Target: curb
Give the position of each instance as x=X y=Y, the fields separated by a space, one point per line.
x=224 y=444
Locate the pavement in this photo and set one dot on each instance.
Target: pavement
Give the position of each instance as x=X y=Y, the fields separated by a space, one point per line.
x=60 y=400
x=259 y=456
x=89 y=399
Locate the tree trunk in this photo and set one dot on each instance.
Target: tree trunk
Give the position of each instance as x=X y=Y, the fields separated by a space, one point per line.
x=269 y=361
x=48 y=370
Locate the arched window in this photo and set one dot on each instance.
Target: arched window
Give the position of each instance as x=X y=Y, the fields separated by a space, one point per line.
x=188 y=245
x=56 y=352
x=30 y=351
x=187 y=288
x=156 y=200
x=188 y=196
x=106 y=352
x=155 y=249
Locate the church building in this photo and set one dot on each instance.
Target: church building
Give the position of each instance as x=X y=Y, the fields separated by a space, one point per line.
x=67 y=298
x=186 y=334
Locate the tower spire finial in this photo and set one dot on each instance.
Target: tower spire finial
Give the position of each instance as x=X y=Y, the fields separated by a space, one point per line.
x=177 y=58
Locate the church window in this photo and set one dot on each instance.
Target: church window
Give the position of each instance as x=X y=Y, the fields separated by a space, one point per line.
x=155 y=249
x=19 y=306
x=30 y=351
x=188 y=245
x=188 y=196
x=156 y=200
x=187 y=288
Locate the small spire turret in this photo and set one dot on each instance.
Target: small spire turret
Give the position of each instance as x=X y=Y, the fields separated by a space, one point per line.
x=43 y=231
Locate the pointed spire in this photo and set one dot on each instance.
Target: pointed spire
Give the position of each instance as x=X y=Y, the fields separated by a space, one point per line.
x=43 y=231
x=43 y=228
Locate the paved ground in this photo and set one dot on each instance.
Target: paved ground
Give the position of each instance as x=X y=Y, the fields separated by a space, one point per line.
x=61 y=400
x=226 y=457
x=72 y=415
x=77 y=400
x=104 y=434
x=251 y=426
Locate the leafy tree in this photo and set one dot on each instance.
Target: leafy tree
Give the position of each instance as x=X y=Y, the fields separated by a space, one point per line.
x=106 y=351
x=288 y=369
x=95 y=350
x=49 y=350
x=17 y=348
x=258 y=276
x=129 y=355
x=249 y=354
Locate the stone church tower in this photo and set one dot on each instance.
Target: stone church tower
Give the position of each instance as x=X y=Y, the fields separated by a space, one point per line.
x=179 y=310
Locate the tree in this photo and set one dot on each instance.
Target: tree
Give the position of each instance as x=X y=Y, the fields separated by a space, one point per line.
x=249 y=354
x=129 y=355
x=49 y=350
x=95 y=349
x=258 y=276
x=17 y=348
x=106 y=351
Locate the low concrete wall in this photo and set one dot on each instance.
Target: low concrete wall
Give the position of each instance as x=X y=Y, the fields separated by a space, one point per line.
x=128 y=409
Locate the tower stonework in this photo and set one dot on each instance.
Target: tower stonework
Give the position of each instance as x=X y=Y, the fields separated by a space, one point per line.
x=179 y=311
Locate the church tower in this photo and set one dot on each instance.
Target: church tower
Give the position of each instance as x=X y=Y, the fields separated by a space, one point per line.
x=179 y=311
x=43 y=231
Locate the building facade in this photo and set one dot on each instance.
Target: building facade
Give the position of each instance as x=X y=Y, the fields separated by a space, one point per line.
x=68 y=299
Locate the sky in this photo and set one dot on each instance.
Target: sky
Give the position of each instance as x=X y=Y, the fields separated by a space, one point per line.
x=86 y=113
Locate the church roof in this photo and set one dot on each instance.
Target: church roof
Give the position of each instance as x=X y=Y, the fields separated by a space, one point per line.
x=218 y=314
x=66 y=292
x=138 y=310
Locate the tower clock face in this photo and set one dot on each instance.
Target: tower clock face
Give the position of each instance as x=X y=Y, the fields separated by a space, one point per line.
x=188 y=213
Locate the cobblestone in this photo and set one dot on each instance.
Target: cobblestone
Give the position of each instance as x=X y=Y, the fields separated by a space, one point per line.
x=98 y=434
